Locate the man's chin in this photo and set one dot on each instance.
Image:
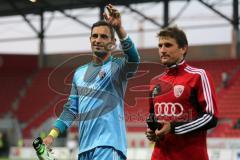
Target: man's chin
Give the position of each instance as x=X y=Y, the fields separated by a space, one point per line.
x=100 y=54
x=166 y=63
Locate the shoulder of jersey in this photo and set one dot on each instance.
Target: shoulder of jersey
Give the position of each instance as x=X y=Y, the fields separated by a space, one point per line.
x=193 y=68
x=159 y=76
x=81 y=67
x=117 y=59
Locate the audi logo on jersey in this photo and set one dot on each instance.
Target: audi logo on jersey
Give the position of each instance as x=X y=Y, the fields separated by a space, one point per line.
x=168 y=109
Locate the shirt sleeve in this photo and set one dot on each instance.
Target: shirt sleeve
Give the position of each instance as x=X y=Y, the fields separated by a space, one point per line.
x=130 y=63
x=204 y=98
x=69 y=112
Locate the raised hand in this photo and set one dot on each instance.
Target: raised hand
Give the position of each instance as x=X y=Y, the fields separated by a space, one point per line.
x=113 y=17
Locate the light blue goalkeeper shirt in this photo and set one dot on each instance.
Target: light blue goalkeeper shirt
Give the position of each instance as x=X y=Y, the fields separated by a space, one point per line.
x=96 y=101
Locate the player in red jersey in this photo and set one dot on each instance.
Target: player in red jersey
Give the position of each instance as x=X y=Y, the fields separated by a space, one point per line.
x=187 y=110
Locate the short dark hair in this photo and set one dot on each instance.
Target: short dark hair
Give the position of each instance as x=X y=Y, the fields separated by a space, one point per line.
x=104 y=23
x=175 y=33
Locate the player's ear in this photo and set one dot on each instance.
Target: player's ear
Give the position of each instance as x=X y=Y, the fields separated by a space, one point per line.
x=184 y=49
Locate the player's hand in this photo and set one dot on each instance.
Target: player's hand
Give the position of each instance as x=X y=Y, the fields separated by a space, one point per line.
x=48 y=141
x=151 y=136
x=113 y=17
x=166 y=128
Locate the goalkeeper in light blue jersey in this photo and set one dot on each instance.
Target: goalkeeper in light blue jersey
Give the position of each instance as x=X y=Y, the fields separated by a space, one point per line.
x=96 y=98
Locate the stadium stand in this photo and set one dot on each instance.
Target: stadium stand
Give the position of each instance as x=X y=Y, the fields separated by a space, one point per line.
x=37 y=96
x=14 y=73
x=39 y=103
x=11 y=82
x=229 y=110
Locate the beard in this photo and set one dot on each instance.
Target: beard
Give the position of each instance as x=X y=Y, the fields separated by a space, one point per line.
x=172 y=62
x=100 y=54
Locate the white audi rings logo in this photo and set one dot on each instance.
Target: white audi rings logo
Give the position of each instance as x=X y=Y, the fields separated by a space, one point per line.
x=168 y=109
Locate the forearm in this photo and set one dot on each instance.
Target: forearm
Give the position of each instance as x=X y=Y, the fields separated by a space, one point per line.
x=60 y=126
x=121 y=32
x=65 y=119
x=54 y=133
x=130 y=50
x=204 y=122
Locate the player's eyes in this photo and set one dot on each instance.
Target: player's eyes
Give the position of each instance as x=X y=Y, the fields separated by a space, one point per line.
x=104 y=36
x=94 y=35
x=167 y=45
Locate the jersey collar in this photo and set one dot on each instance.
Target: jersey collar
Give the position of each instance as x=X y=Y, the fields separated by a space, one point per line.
x=104 y=62
x=175 y=67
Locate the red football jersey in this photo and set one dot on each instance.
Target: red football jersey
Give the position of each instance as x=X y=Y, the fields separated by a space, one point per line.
x=186 y=97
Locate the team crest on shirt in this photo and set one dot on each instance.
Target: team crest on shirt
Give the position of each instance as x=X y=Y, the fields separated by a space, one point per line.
x=178 y=90
x=102 y=74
